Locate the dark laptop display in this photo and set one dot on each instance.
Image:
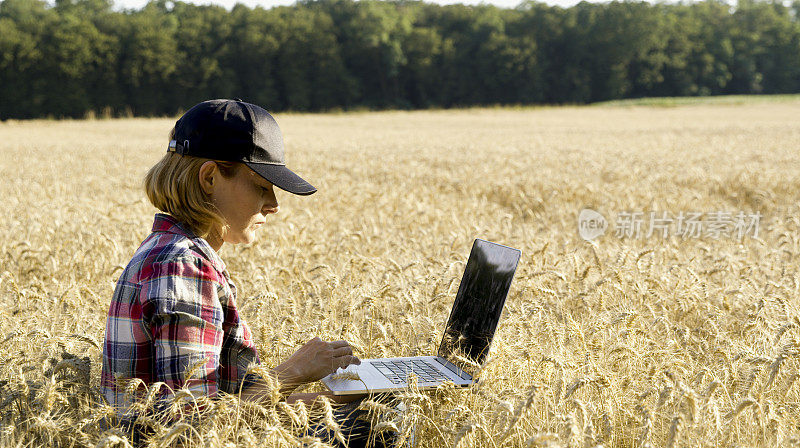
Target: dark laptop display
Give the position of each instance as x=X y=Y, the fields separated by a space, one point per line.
x=479 y=302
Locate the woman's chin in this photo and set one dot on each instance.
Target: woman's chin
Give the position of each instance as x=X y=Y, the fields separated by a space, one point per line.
x=249 y=237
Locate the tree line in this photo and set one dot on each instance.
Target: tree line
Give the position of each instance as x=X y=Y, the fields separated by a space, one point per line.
x=84 y=56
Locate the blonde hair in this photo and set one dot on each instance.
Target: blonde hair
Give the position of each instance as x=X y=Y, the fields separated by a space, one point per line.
x=173 y=186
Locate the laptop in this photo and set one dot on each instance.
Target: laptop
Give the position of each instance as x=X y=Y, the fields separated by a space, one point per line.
x=467 y=334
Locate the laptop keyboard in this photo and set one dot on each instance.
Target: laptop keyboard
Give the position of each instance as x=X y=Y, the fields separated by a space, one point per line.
x=397 y=371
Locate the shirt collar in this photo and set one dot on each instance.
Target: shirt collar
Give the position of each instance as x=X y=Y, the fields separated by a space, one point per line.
x=167 y=223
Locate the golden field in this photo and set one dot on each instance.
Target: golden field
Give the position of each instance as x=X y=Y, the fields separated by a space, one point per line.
x=623 y=342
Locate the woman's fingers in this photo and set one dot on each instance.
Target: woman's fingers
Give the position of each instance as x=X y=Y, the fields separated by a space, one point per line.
x=342 y=351
x=339 y=344
x=319 y=358
x=343 y=354
x=345 y=361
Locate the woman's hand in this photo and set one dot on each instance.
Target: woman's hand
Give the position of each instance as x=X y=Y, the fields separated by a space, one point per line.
x=311 y=362
x=317 y=359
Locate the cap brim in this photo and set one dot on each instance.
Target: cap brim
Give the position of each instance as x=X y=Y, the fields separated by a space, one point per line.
x=283 y=178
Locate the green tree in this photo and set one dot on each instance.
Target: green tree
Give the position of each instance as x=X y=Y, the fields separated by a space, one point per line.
x=251 y=54
x=308 y=67
x=419 y=76
x=371 y=33
x=709 y=61
x=149 y=59
x=23 y=24
x=766 y=51
x=75 y=57
x=201 y=44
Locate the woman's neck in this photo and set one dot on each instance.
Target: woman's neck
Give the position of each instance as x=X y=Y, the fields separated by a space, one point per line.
x=214 y=240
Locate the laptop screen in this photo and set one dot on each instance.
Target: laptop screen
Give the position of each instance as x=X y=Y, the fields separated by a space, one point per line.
x=479 y=302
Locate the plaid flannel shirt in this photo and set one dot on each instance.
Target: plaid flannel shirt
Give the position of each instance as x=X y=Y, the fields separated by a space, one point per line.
x=173 y=307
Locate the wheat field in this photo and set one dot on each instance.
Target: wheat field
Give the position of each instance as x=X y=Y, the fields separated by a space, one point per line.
x=618 y=342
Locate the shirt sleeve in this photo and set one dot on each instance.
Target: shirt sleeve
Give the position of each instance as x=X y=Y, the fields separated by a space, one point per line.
x=182 y=311
x=238 y=350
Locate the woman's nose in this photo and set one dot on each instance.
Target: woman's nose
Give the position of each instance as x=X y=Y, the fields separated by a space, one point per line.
x=270 y=203
x=270 y=208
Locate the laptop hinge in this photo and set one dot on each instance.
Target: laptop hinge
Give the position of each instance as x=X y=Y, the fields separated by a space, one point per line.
x=453 y=368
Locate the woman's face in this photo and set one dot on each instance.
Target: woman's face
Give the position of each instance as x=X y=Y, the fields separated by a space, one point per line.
x=244 y=200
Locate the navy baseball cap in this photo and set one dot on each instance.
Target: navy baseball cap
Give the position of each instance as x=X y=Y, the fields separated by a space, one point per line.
x=236 y=131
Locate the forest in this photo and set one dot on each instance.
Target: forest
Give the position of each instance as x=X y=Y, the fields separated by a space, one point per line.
x=79 y=58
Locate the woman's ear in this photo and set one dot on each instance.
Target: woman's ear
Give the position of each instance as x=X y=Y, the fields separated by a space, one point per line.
x=208 y=171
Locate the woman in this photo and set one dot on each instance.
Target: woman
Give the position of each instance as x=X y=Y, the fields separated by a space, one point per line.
x=174 y=307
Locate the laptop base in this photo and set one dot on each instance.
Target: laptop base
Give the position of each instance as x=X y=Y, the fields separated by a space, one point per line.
x=374 y=375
